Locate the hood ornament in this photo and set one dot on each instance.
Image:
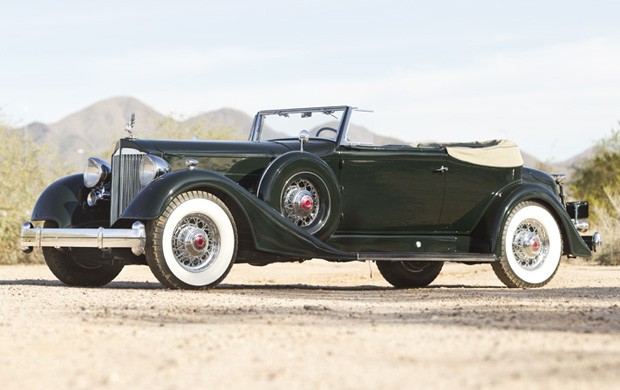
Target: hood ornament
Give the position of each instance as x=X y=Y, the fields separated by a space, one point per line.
x=129 y=126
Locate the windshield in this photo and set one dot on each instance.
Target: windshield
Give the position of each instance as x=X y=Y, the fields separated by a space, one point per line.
x=319 y=122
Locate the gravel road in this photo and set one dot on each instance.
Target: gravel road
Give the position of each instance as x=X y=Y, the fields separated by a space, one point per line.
x=312 y=325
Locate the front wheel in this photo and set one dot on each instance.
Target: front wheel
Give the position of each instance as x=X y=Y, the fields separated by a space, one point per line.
x=193 y=244
x=531 y=247
x=78 y=267
x=409 y=274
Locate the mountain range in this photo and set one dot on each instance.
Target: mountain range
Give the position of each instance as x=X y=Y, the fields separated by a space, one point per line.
x=94 y=130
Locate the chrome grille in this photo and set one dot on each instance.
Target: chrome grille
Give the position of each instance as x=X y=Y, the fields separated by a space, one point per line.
x=125 y=181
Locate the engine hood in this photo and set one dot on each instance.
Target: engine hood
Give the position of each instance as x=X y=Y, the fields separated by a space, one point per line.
x=182 y=149
x=241 y=161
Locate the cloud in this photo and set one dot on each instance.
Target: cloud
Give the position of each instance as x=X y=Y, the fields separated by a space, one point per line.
x=555 y=101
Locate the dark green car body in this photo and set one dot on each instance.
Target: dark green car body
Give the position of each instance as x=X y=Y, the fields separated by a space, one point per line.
x=388 y=202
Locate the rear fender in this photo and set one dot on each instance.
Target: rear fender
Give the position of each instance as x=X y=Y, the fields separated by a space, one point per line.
x=486 y=238
x=270 y=231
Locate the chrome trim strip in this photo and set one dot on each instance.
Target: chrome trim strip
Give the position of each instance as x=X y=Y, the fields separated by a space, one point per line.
x=134 y=238
x=127 y=151
x=303 y=109
x=428 y=256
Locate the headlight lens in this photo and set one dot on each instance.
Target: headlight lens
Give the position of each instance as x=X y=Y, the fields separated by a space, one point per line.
x=152 y=167
x=96 y=172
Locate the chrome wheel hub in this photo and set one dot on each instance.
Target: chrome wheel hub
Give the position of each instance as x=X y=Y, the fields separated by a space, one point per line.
x=300 y=202
x=530 y=244
x=195 y=242
x=303 y=204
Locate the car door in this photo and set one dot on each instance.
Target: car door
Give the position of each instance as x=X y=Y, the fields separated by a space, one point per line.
x=391 y=189
x=469 y=190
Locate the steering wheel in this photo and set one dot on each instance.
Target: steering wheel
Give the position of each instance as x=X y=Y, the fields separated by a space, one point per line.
x=324 y=129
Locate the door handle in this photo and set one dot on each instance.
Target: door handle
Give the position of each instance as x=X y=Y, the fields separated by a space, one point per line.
x=442 y=169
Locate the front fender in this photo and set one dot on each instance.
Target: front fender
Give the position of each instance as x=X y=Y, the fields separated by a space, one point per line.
x=64 y=203
x=487 y=235
x=270 y=231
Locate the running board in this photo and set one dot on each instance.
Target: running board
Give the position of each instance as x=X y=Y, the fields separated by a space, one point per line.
x=418 y=256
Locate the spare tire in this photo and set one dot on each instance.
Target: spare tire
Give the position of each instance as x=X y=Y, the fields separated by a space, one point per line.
x=304 y=189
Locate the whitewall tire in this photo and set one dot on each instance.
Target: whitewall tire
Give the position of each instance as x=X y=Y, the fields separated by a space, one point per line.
x=193 y=244
x=531 y=247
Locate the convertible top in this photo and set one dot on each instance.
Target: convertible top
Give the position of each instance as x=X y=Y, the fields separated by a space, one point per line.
x=495 y=153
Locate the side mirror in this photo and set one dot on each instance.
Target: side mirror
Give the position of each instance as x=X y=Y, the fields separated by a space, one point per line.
x=304 y=136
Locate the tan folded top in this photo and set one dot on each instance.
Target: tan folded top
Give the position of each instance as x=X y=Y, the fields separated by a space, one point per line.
x=497 y=153
x=494 y=153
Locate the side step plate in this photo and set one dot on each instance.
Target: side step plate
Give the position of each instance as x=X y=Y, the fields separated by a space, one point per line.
x=416 y=256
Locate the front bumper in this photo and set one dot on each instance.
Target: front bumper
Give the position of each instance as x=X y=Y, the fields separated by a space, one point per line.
x=134 y=238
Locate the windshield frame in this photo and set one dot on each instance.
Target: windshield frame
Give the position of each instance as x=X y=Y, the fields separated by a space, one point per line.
x=259 y=119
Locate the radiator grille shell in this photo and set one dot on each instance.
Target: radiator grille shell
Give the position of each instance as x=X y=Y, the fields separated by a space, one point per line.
x=125 y=180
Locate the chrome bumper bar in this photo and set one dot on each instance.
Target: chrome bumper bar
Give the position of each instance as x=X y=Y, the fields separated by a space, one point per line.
x=134 y=238
x=594 y=242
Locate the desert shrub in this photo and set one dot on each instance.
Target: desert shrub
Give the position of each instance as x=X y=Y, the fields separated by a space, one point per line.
x=598 y=177
x=598 y=181
x=25 y=170
x=609 y=225
x=200 y=128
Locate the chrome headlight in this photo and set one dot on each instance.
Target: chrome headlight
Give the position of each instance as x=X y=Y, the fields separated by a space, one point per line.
x=152 y=167
x=96 y=172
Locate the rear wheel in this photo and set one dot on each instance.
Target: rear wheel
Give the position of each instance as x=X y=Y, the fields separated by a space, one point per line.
x=78 y=267
x=409 y=274
x=193 y=244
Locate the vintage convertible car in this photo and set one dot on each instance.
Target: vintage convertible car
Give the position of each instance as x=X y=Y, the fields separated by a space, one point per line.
x=309 y=183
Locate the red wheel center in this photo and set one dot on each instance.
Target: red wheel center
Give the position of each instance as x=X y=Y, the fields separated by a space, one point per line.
x=307 y=203
x=200 y=242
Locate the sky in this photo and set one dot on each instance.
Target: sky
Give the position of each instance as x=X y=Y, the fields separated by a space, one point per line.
x=545 y=74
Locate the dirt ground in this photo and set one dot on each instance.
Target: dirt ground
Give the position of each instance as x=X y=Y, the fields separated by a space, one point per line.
x=311 y=326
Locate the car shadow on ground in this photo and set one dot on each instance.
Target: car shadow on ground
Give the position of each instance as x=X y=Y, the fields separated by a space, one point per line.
x=438 y=290
x=573 y=310
x=124 y=285
x=56 y=283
